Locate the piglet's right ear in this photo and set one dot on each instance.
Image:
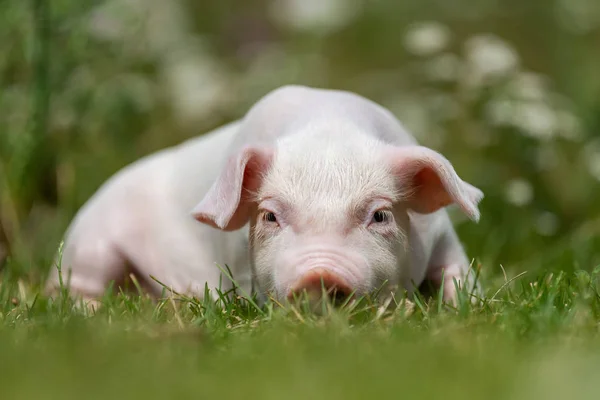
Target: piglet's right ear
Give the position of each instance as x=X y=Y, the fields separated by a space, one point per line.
x=432 y=181
x=227 y=204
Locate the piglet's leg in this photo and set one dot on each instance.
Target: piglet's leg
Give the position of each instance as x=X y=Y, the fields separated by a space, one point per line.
x=449 y=263
x=87 y=270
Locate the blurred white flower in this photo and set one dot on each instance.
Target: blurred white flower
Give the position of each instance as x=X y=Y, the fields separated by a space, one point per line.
x=442 y=106
x=105 y=23
x=568 y=125
x=116 y=20
x=591 y=154
x=140 y=89
x=81 y=78
x=536 y=119
x=529 y=105
x=500 y=112
x=488 y=57
x=197 y=85
x=426 y=38
x=322 y=16
x=519 y=192
x=529 y=86
x=195 y=81
x=443 y=67
x=62 y=118
x=593 y=164
x=546 y=224
x=578 y=16
x=169 y=28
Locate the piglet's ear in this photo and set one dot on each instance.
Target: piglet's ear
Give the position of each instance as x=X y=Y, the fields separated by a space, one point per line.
x=227 y=204
x=431 y=182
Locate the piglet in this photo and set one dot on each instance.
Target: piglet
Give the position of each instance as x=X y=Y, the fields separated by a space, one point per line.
x=313 y=189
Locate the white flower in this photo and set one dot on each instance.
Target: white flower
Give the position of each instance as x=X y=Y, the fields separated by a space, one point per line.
x=546 y=224
x=116 y=20
x=426 y=38
x=442 y=106
x=489 y=57
x=197 y=85
x=578 y=16
x=140 y=90
x=529 y=86
x=536 y=119
x=519 y=192
x=443 y=67
x=500 y=112
x=568 y=125
x=593 y=164
x=591 y=154
x=323 y=16
x=106 y=24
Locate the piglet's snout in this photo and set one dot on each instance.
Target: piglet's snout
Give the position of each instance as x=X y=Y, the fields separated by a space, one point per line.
x=317 y=281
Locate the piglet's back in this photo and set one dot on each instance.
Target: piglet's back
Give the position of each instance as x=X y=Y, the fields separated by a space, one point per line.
x=292 y=108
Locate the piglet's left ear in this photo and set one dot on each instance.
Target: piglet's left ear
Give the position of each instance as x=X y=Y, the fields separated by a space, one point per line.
x=431 y=182
x=226 y=206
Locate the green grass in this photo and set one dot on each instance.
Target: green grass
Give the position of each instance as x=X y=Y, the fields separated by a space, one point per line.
x=528 y=338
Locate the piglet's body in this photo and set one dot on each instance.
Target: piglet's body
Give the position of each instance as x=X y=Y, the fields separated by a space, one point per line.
x=312 y=187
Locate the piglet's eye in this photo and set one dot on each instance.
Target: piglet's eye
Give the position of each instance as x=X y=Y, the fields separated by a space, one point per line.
x=269 y=217
x=380 y=217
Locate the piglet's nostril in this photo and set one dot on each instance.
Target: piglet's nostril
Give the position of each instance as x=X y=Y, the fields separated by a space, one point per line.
x=339 y=296
x=315 y=280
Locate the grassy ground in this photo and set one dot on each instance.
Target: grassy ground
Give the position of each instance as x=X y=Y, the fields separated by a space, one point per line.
x=529 y=338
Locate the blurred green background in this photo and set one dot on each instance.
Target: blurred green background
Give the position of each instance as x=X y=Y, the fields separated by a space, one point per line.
x=508 y=90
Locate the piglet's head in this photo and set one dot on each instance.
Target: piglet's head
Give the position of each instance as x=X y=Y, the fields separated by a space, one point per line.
x=330 y=213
